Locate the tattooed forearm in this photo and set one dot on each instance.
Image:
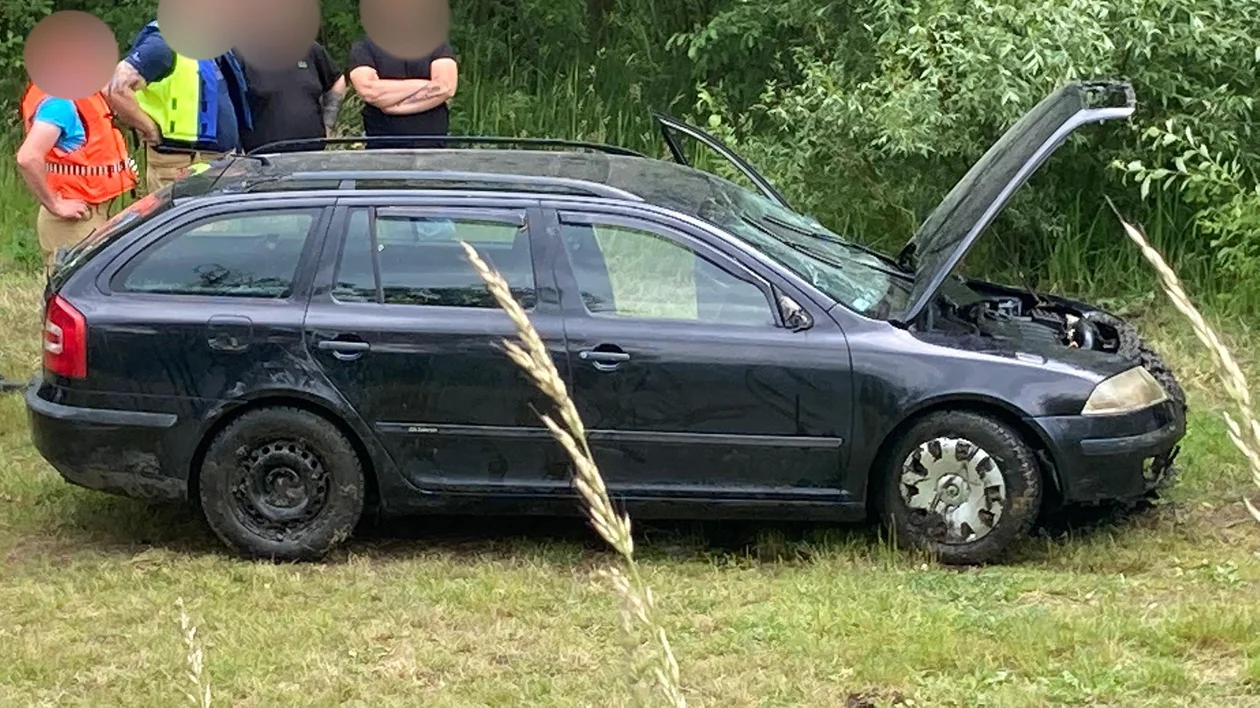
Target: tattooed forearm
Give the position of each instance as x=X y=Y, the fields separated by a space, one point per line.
x=425 y=94
x=121 y=96
x=431 y=96
x=125 y=78
x=426 y=99
x=331 y=103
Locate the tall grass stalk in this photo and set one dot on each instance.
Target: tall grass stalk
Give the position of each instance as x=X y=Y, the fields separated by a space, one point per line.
x=201 y=696
x=653 y=667
x=1245 y=431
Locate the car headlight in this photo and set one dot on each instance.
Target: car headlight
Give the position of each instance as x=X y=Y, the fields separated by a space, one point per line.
x=1132 y=390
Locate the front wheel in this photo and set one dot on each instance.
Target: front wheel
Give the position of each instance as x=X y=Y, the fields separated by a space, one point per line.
x=282 y=483
x=961 y=486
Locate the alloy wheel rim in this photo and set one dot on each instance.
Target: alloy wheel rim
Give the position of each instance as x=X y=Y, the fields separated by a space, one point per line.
x=954 y=488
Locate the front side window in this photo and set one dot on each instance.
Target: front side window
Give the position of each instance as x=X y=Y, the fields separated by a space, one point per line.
x=629 y=272
x=418 y=259
x=233 y=255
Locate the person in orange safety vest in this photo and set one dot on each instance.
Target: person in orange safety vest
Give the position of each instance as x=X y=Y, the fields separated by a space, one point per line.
x=75 y=162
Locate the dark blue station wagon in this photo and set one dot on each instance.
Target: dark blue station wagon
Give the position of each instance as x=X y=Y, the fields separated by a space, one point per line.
x=288 y=339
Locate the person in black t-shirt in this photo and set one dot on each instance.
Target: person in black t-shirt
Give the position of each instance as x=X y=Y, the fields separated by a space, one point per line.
x=298 y=102
x=403 y=96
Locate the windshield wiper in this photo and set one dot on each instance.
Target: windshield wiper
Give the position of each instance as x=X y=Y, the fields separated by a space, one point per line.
x=789 y=225
x=817 y=255
x=833 y=238
x=794 y=246
x=829 y=260
x=759 y=226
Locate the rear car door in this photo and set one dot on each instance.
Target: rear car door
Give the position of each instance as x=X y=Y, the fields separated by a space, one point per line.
x=405 y=328
x=686 y=377
x=210 y=310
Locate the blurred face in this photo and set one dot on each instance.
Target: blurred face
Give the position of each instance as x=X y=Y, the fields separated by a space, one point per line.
x=407 y=29
x=279 y=33
x=201 y=29
x=71 y=54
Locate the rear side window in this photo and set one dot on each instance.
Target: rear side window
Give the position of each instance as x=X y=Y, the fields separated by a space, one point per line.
x=417 y=259
x=232 y=255
x=121 y=224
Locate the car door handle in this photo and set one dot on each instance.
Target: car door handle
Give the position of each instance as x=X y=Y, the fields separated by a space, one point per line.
x=345 y=349
x=604 y=359
x=227 y=342
x=229 y=333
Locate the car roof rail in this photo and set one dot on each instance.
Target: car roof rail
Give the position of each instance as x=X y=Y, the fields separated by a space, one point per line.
x=315 y=144
x=347 y=179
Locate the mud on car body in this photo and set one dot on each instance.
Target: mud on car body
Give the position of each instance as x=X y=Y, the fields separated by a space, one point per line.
x=290 y=339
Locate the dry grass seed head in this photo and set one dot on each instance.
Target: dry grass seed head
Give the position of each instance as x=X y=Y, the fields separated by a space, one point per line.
x=656 y=658
x=194 y=658
x=1231 y=375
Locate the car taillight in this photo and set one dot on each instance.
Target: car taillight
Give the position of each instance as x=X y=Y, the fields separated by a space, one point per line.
x=65 y=339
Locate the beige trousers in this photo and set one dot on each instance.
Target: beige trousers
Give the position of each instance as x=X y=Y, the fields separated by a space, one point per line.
x=165 y=169
x=56 y=232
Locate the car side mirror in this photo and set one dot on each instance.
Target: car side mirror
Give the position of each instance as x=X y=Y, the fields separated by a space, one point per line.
x=795 y=317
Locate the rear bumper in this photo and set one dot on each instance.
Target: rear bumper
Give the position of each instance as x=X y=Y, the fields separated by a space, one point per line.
x=120 y=452
x=1104 y=458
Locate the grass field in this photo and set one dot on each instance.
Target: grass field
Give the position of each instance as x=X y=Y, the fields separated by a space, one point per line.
x=1161 y=610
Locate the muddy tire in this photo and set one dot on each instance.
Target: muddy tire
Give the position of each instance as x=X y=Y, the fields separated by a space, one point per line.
x=282 y=484
x=961 y=486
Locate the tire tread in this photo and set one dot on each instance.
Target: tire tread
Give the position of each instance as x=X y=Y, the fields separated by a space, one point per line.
x=1023 y=500
x=335 y=529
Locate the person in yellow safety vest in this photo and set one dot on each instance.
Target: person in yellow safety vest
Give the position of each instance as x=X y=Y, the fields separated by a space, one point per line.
x=75 y=162
x=186 y=111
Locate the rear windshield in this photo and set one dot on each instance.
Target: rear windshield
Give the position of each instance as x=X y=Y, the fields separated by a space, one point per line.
x=122 y=223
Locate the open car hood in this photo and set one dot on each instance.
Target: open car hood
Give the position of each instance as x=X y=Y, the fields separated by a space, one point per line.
x=952 y=228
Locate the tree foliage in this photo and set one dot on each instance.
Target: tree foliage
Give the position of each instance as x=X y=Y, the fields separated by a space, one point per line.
x=865 y=111
x=888 y=101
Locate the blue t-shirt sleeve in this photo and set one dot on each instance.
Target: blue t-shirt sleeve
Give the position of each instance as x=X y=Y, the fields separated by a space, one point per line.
x=57 y=111
x=62 y=113
x=152 y=58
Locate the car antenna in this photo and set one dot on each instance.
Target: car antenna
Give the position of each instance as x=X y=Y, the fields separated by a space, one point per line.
x=234 y=157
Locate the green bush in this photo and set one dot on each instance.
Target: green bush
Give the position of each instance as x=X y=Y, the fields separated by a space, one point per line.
x=867 y=111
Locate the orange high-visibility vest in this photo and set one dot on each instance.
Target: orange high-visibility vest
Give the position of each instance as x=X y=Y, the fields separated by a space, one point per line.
x=100 y=169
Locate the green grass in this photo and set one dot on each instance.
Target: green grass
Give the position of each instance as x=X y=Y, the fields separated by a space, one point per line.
x=452 y=612
x=447 y=612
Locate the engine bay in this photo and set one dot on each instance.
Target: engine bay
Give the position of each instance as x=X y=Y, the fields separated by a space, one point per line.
x=1026 y=317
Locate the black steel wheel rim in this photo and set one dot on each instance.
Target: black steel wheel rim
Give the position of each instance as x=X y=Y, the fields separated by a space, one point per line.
x=280 y=486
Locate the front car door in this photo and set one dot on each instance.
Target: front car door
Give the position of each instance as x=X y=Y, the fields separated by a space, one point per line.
x=406 y=330
x=684 y=373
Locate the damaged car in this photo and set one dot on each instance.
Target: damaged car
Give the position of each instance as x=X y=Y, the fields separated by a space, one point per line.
x=291 y=340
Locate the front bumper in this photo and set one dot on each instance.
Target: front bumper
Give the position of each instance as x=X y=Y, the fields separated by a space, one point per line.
x=1120 y=457
x=120 y=452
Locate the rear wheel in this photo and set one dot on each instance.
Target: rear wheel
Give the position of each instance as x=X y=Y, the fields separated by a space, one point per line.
x=962 y=486
x=282 y=483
